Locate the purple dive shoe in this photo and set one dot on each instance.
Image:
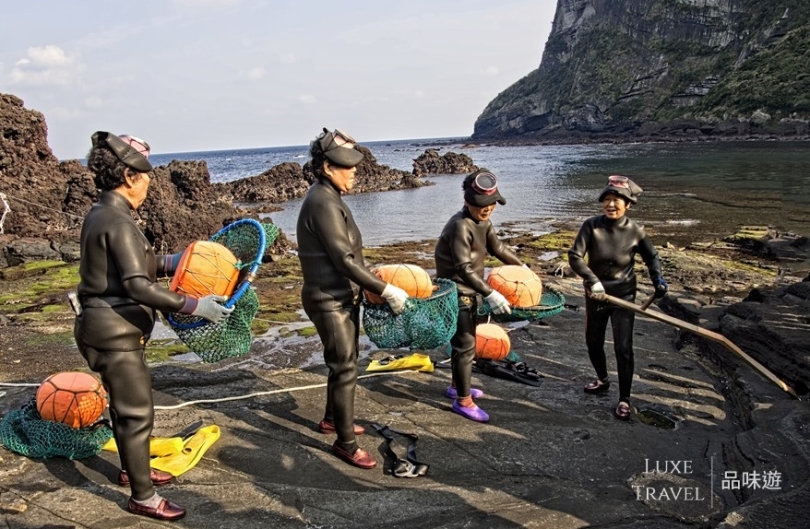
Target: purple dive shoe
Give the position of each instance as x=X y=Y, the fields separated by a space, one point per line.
x=474 y=413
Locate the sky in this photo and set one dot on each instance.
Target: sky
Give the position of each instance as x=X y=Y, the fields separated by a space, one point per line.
x=199 y=75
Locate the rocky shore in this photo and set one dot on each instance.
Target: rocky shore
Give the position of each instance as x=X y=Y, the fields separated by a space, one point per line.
x=551 y=457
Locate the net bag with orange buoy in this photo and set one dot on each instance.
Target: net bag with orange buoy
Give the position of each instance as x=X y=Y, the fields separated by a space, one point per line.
x=211 y=270
x=425 y=323
x=72 y=398
x=413 y=279
x=64 y=419
x=491 y=342
x=206 y=267
x=524 y=291
x=519 y=285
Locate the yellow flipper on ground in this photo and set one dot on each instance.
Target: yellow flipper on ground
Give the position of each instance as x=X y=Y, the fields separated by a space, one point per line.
x=172 y=454
x=158 y=446
x=193 y=450
x=415 y=362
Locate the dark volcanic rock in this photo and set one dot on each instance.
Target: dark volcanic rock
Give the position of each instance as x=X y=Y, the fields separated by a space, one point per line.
x=183 y=206
x=371 y=176
x=289 y=180
x=773 y=327
x=31 y=177
x=48 y=199
x=281 y=183
x=431 y=162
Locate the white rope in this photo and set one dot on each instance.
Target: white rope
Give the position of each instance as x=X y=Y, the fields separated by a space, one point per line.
x=40 y=206
x=270 y=392
x=238 y=397
x=7 y=209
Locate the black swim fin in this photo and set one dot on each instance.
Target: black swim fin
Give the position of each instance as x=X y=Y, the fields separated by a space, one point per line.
x=514 y=371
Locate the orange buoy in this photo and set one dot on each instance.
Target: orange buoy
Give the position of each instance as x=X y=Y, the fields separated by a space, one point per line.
x=72 y=398
x=413 y=279
x=520 y=286
x=491 y=342
x=206 y=268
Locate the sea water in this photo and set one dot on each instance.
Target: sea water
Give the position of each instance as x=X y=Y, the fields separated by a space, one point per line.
x=695 y=190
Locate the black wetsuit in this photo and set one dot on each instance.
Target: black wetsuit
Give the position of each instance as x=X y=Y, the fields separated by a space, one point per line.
x=611 y=247
x=330 y=249
x=459 y=254
x=119 y=295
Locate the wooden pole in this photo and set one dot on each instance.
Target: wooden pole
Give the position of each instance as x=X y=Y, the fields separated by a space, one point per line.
x=705 y=333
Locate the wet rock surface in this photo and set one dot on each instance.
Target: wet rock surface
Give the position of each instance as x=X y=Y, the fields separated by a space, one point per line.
x=552 y=456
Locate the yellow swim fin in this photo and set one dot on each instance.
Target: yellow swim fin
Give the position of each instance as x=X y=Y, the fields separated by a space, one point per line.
x=415 y=362
x=158 y=446
x=172 y=455
x=193 y=450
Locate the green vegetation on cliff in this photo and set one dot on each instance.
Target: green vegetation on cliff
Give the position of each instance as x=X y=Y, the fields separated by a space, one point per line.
x=776 y=80
x=616 y=66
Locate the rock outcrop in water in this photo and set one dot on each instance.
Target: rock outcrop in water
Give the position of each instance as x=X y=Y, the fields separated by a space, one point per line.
x=431 y=162
x=662 y=68
x=290 y=180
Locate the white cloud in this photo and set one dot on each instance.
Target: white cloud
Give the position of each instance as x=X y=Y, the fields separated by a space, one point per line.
x=46 y=65
x=257 y=72
x=307 y=99
x=492 y=70
x=50 y=57
x=419 y=94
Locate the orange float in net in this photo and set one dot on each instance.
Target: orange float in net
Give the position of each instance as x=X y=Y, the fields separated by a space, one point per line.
x=72 y=398
x=491 y=342
x=414 y=280
x=206 y=268
x=520 y=286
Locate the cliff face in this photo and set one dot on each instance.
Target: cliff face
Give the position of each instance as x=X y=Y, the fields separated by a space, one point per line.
x=663 y=67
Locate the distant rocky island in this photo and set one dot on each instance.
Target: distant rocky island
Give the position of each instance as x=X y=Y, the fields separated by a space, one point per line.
x=662 y=69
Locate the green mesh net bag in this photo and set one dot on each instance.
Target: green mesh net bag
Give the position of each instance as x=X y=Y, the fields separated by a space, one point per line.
x=212 y=342
x=551 y=303
x=424 y=324
x=24 y=432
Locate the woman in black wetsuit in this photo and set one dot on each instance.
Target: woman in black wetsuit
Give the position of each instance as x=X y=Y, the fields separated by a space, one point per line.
x=330 y=249
x=118 y=295
x=611 y=242
x=465 y=241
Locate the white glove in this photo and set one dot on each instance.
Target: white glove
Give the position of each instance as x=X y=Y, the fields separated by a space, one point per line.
x=395 y=296
x=498 y=303
x=598 y=291
x=208 y=308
